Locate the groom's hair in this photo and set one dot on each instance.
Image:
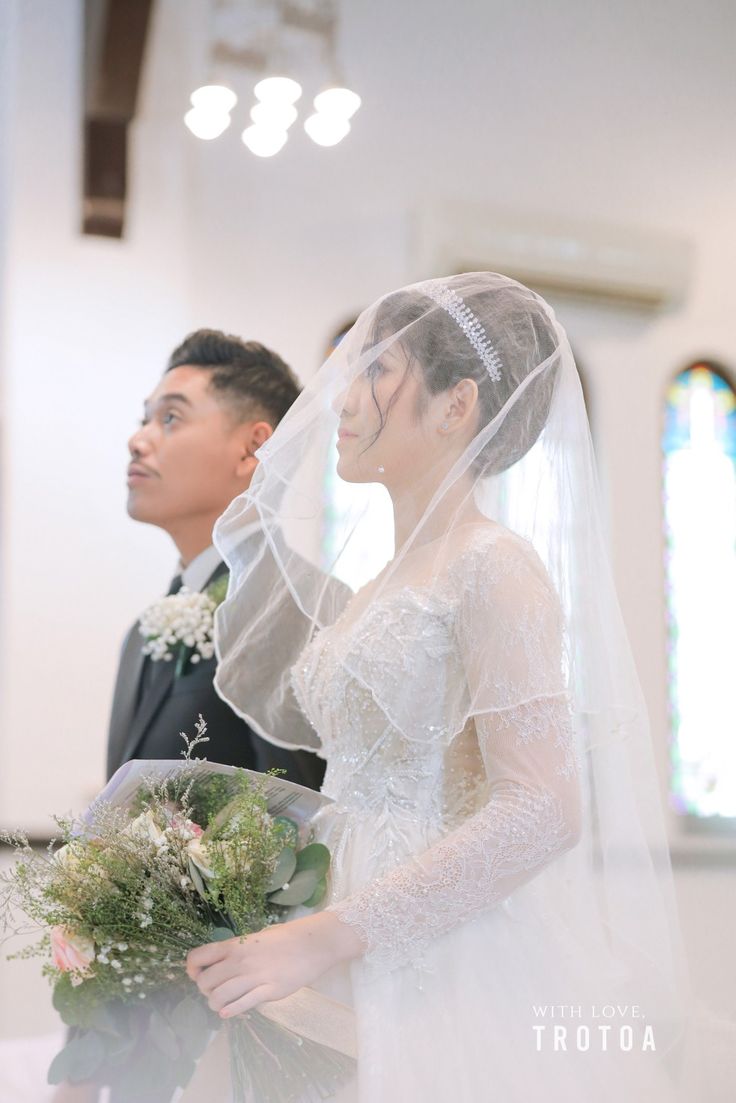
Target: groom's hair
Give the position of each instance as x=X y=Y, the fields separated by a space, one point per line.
x=250 y=378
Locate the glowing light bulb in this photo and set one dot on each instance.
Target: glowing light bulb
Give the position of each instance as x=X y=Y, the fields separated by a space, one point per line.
x=326 y=130
x=206 y=124
x=340 y=102
x=264 y=141
x=278 y=90
x=214 y=98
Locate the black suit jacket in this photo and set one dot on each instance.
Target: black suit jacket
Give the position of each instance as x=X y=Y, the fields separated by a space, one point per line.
x=149 y=713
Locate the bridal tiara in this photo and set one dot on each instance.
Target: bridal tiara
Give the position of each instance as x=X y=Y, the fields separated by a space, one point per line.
x=463 y=316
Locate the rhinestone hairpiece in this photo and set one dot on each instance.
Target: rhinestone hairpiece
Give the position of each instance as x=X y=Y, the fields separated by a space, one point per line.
x=463 y=316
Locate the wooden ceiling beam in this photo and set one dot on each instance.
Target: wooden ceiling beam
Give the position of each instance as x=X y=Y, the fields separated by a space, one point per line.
x=115 y=40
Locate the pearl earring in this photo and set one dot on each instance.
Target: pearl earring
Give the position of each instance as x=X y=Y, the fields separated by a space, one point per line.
x=381 y=469
x=444 y=425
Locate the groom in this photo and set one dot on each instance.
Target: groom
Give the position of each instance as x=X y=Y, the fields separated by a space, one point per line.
x=219 y=399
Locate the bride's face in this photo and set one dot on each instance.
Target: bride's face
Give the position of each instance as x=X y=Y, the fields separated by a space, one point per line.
x=385 y=432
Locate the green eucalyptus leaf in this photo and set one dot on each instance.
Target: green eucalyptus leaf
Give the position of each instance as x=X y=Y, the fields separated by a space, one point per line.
x=285 y=866
x=316 y=856
x=117 y=1046
x=221 y=934
x=318 y=894
x=104 y=1020
x=301 y=886
x=78 y=1060
x=61 y=1067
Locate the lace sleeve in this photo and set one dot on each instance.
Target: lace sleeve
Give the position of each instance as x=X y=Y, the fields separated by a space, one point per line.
x=532 y=811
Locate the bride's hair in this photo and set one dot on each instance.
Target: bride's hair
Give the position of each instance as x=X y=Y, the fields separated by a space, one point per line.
x=522 y=336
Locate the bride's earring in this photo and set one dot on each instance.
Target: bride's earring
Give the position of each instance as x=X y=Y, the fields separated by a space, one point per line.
x=381 y=469
x=444 y=426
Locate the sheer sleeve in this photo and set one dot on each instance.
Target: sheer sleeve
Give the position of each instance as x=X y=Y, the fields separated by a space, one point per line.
x=509 y=632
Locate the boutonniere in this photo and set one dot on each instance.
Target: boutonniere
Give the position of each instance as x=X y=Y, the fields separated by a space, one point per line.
x=180 y=627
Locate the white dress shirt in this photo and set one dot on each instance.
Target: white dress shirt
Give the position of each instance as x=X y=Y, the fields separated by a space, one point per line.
x=197 y=574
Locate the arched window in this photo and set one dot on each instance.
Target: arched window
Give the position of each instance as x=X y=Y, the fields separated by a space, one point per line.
x=699 y=483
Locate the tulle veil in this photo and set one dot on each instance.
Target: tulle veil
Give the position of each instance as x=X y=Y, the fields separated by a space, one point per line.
x=528 y=465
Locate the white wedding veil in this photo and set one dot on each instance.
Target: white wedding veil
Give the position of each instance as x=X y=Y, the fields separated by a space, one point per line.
x=511 y=454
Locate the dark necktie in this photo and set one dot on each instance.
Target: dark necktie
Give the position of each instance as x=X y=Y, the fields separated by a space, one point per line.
x=148 y=665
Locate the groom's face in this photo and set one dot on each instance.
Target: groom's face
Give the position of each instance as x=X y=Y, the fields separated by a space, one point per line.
x=190 y=455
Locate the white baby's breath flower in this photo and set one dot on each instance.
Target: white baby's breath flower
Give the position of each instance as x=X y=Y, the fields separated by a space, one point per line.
x=184 y=619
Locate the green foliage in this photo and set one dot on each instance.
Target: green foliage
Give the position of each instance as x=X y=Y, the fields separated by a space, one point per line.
x=204 y=796
x=132 y=891
x=140 y=1051
x=306 y=876
x=79 y=1060
x=217 y=590
x=315 y=857
x=243 y=843
x=285 y=866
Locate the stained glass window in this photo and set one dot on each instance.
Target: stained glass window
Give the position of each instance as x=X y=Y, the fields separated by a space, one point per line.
x=699 y=461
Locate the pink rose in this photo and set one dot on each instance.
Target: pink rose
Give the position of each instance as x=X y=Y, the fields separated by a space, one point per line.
x=72 y=953
x=186 y=829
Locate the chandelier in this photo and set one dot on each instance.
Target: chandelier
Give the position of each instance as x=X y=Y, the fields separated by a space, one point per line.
x=281 y=45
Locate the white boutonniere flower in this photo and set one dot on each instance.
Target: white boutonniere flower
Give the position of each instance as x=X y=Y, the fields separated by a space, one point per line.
x=180 y=627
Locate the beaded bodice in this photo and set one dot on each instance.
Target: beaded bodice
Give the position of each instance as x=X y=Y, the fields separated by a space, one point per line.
x=371 y=762
x=435 y=730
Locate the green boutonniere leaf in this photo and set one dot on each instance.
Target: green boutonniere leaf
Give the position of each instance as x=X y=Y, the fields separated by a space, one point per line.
x=217 y=590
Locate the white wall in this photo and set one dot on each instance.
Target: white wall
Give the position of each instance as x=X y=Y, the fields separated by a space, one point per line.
x=87 y=324
x=622 y=113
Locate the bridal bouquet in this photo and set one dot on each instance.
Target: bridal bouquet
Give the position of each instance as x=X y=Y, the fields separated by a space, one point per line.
x=170 y=856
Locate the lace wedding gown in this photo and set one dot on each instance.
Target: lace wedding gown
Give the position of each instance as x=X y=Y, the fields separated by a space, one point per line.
x=451 y=852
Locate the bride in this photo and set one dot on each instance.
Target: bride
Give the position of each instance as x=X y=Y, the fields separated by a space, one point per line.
x=500 y=910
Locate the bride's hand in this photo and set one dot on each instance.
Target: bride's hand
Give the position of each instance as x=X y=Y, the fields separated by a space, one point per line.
x=238 y=974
